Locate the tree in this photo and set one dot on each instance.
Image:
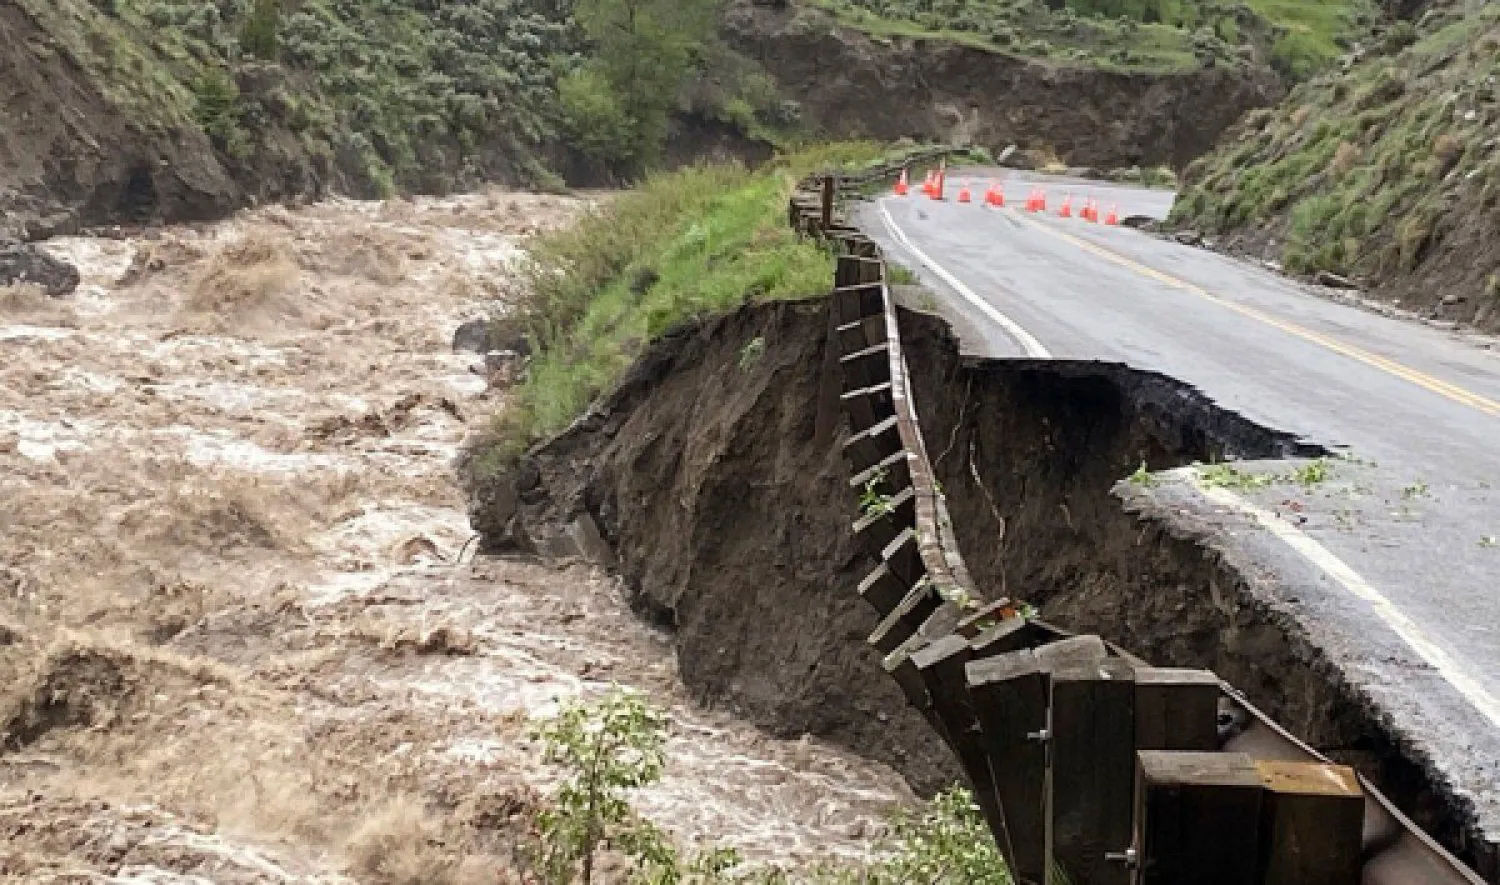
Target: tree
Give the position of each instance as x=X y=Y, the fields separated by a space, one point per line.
x=600 y=128
x=259 y=35
x=607 y=748
x=644 y=49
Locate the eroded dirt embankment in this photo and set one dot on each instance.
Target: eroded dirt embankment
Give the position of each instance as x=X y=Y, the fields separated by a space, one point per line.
x=729 y=513
x=716 y=478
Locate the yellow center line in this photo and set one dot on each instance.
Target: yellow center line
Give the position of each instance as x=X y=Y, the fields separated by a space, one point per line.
x=1421 y=379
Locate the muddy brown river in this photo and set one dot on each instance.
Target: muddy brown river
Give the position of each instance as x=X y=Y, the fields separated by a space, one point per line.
x=239 y=642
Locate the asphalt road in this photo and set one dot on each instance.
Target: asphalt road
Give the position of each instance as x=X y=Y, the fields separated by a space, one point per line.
x=1392 y=564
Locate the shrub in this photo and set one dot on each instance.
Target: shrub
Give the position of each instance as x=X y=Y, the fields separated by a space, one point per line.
x=1297 y=55
x=597 y=125
x=606 y=749
x=259 y=35
x=217 y=111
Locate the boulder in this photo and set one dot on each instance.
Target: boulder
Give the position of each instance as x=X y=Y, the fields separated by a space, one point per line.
x=23 y=263
x=472 y=337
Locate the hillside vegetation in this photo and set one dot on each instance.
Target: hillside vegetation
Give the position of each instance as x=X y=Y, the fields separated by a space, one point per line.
x=1296 y=38
x=267 y=98
x=1388 y=172
x=683 y=244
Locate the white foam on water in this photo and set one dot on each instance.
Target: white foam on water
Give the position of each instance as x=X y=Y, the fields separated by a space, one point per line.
x=23 y=332
x=41 y=440
x=221 y=448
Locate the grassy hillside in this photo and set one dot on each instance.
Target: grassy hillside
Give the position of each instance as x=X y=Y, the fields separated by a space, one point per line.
x=382 y=85
x=266 y=98
x=1388 y=172
x=686 y=243
x=1297 y=37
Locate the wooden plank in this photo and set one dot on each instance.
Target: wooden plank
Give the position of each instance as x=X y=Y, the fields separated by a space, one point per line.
x=883 y=590
x=1009 y=694
x=905 y=560
x=903 y=621
x=866 y=368
x=1197 y=818
x=942 y=664
x=890 y=476
x=1093 y=766
x=878 y=528
x=861 y=333
x=873 y=444
x=985 y=617
x=1312 y=822
x=1176 y=709
x=1073 y=651
x=1011 y=634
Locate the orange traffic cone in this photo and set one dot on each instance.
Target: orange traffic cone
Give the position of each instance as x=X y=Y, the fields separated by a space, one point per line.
x=1041 y=200
x=939 y=184
x=927 y=183
x=1090 y=213
x=964 y=194
x=1031 y=201
x=996 y=196
x=903 y=186
x=1113 y=218
x=1067 y=207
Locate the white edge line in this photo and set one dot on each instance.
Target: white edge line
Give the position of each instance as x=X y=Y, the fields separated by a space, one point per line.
x=1022 y=337
x=1404 y=627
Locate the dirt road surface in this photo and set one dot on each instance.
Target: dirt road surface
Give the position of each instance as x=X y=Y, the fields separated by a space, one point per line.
x=238 y=644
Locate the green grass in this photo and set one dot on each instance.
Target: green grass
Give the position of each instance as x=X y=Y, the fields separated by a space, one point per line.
x=1297 y=38
x=1351 y=171
x=682 y=245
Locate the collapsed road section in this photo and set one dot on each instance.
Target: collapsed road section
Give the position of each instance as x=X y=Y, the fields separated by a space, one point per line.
x=715 y=478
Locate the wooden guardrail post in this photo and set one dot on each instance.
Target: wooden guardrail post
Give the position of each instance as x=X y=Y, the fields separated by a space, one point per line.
x=830 y=185
x=1312 y=823
x=1197 y=819
x=1176 y=709
x=1093 y=768
x=1010 y=697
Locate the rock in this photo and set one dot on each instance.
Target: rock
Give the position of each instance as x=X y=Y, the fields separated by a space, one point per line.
x=472 y=337
x=1188 y=237
x=1453 y=298
x=502 y=368
x=1140 y=222
x=1334 y=281
x=643 y=280
x=23 y=263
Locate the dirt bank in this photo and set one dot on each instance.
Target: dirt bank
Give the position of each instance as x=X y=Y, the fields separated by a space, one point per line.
x=852 y=86
x=730 y=514
x=730 y=518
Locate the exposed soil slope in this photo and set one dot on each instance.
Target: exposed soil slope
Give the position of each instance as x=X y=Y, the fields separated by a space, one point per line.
x=64 y=146
x=729 y=513
x=1388 y=173
x=850 y=85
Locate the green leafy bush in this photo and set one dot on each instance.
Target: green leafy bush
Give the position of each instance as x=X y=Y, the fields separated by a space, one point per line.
x=259 y=34
x=1300 y=37
x=606 y=748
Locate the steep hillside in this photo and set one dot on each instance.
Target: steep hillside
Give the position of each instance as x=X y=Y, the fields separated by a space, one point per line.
x=117 y=109
x=122 y=110
x=854 y=84
x=1294 y=38
x=1387 y=172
